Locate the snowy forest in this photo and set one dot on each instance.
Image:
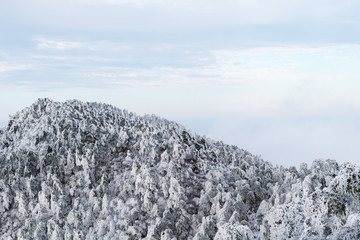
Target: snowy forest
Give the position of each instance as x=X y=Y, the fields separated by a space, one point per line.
x=76 y=170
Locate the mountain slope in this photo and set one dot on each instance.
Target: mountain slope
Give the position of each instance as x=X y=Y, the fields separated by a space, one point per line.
x=78 y=170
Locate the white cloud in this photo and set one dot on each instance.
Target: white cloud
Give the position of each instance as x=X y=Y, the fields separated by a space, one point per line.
x=275 y=65
x=9 y=67
x=53 y=44
x=44 y=43
x=51 y=57
x=71 y=58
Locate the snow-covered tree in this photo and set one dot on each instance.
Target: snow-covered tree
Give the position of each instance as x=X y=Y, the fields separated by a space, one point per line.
x=79 y=170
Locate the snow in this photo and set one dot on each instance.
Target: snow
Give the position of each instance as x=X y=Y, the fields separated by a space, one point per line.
x=77 y=170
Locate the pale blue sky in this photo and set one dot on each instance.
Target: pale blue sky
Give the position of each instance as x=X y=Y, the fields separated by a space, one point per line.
x=278 y=78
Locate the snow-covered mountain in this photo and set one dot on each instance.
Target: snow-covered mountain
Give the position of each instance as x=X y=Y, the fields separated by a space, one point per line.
x=79 y=170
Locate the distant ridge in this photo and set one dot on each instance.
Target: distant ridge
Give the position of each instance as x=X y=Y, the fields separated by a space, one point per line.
x=77 y=170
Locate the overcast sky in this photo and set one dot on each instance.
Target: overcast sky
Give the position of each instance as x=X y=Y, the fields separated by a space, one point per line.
x=278 y=78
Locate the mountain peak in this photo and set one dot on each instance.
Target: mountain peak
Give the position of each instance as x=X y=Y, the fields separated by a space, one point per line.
x=77 y=170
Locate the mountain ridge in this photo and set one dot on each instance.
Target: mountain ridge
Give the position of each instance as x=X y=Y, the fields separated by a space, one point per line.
x=79 y=170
